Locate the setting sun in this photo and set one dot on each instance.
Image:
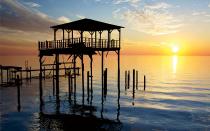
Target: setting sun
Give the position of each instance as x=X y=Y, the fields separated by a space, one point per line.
x=175 y=49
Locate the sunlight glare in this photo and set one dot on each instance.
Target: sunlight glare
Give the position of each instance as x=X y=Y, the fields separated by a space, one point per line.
x=175 y=49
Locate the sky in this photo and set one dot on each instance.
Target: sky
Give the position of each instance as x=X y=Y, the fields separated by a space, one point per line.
x=152 y=27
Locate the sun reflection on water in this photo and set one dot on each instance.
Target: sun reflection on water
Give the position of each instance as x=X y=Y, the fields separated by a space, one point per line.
x=174 y=63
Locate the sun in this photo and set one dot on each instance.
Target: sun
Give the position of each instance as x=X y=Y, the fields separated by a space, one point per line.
x=175 y=49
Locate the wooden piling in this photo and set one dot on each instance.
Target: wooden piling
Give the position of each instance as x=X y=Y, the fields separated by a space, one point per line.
x=18 y=92
x=88 y=86
x=105 y=82
x=83 y=79
x=44 y=73
x=126 y=80
x=137 y=79
x=53 y=77
x=26 y=73
x=30 y=73
x=7 y=76
x=91 y=74
x=133 y=83
x=133 y=79
x=144 y=82
x=69 y=82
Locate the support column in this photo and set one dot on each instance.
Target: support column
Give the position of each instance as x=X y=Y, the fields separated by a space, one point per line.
x=40 y=80
x=81 y=33
x=55 y=38
x=119 y=60
x=119 y=38
x=7 y=76
x=101 y=44
x=91 y=34
x=57 y=74
x=74 y=61
x=102 y=73
x=83 y=89
x=95 y=38
x=53 y=80
x=109 y=38
x=72 y=36
x=91 y=73
x=63 y=39
x=118 y=71
x=68 y=37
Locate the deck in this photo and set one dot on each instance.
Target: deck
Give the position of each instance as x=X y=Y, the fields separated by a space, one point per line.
x=77 y=45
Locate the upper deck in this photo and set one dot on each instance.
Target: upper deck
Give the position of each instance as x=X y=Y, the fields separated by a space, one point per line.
x=81 y=45
x=85 y=45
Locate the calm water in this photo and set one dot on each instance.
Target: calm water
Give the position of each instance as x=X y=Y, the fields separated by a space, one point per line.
x=177 y=97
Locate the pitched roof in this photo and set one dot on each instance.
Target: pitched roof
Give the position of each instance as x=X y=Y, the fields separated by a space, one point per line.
x=87 y=25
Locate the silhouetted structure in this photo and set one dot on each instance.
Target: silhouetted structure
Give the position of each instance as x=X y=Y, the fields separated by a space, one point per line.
x=8 y=74
x=76 y=45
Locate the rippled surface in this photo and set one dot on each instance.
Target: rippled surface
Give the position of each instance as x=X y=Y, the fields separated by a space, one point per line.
x=177 y=97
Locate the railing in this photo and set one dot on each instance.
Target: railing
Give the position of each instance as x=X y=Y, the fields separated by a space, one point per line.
x=88 y=42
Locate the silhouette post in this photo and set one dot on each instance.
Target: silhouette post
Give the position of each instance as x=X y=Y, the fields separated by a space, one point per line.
x=18 y=92
x=144 y=82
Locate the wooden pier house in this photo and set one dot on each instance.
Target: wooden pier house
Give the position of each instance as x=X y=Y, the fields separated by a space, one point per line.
x=76 y=46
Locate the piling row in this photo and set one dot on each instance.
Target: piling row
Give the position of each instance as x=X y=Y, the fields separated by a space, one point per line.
x=135 y=80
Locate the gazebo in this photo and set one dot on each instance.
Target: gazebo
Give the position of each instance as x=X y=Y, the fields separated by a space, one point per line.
x=74 y=44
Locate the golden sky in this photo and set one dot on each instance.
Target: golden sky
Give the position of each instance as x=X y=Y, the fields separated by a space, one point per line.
x=152 y=27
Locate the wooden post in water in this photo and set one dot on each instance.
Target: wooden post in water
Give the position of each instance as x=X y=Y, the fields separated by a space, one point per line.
x=137 y=73
x=21 y=75
x=144 y=82
x=133 y=83
x=69 y=81
x=18 y=92
x=102 y=74
x=7 y=76
x=53 y=77
x=57 y=75
x=91 y=74
x=44 y=73
x=88 y=86
x=105 y=82
x=30 y=73
x=133 y=79
x=26 y=73
x=75 y=80
x=83 y=79
x=126 y=80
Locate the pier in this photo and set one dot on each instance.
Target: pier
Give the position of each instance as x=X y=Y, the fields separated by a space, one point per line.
x=74 y=45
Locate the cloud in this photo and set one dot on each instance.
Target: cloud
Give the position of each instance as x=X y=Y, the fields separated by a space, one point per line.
x=16 y=16
x=198 y=13
x=32 y=4
x=21 y=27
x=202 y=16
x=151 y=21
x=115 y=13
x=209 y=5
x=64 y=19
x=161 y=5
x=154 y=19
x=131 y=2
